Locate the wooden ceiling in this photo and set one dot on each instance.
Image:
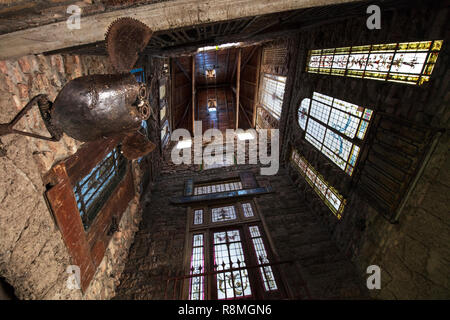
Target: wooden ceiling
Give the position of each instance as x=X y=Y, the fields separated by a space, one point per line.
x=222 y=61
x=185 y=41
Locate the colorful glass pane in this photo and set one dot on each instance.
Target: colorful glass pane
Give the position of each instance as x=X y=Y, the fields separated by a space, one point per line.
x=223 y=214
x=398 y=62
x=330 y=196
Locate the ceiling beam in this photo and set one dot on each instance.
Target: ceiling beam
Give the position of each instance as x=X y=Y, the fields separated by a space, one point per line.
x=158 y=16
x=179 y=65
x=238 y=85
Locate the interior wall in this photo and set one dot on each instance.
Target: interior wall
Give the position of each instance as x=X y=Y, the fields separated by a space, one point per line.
x=33 y=257
x=181 y=92
x=317 y=269
x=412 y=254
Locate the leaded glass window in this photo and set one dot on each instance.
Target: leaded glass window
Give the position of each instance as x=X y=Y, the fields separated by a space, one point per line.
x=272 y=92
x=219 y=187
x=198 y=216
x=229 y=254
x=248 y=210
x=328 y=194
x=197 y=284
x=93 y=190
x=406 y=62
x=223 y=214
x=333 y=126
x=261 y=254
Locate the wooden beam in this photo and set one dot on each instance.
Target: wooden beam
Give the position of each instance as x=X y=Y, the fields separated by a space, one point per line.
x=182 y=69
x=193 y=93
x=158 y=16
x=255 y=99
x=238 y=86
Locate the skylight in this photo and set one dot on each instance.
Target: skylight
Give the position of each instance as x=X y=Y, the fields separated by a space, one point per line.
x=218 y=47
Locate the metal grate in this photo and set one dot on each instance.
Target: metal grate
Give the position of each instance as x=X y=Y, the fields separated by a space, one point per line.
x=92 y=191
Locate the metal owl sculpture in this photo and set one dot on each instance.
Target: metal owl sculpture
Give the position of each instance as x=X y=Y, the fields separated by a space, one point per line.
x=101 y=105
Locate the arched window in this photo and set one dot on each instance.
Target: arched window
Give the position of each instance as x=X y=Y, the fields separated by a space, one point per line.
x=406 y=62
x=335 y=127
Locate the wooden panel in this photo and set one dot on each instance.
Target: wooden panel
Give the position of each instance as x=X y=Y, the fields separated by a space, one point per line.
x=87 y=156
x=85 y=248
x=64 y=208
x=223 y=118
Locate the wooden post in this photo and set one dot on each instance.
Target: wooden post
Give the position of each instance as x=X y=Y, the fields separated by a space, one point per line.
x=238 y=86
x=256 y=96
x=193 y=92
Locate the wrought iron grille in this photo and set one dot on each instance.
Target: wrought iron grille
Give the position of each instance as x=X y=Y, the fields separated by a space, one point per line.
x=92 y=191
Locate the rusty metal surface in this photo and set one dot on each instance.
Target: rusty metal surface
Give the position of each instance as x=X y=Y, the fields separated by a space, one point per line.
x=136 y=145
x=125 y=39
x=96 y=106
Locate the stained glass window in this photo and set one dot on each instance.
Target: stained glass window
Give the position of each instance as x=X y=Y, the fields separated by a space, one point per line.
x=406 y=62
x=261 y=255
x=198 y=216
x=197 y=284
x=223 y=214
x=229 y=254
x=328 y=194
x=330 y=123
x=272 y=92
x=220 y=187
x=248 y=210
x=93 y=190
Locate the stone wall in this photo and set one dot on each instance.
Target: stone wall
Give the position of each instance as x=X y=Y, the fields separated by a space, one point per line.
x=297 y=235
x=33 y=257
x=412 y=254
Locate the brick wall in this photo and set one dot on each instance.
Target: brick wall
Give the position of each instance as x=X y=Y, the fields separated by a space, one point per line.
x=33 y=257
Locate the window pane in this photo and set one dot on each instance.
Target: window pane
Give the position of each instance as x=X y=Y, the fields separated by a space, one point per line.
x=346 y=120
x=272 y=92
x=408 y=62
x=198 y=216
x=266 y=273
x=93 y=190
x=223 y=214
x=329 y=195
x=197 y=284
x=248 y=210
x=229 y=255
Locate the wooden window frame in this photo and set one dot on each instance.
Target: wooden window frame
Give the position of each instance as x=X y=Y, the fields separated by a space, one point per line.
x=242 y=223
x=86 y=248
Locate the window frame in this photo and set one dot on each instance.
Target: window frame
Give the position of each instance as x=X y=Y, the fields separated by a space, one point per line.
x=86 y=248
x=270 y=110
x=432 y=53
x=356 y=142
x=242 y=223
